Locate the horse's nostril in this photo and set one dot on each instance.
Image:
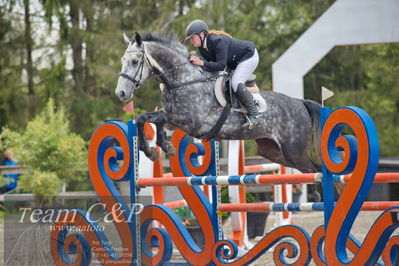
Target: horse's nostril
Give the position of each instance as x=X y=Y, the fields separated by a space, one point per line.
x=122 y=94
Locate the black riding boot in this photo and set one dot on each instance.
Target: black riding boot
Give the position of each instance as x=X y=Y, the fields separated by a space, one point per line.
x=246 y=99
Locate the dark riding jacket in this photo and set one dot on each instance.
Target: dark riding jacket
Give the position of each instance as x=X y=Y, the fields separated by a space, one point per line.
x=222 y=51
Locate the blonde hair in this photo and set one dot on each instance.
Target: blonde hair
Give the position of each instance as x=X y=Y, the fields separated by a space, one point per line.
x=219 y=32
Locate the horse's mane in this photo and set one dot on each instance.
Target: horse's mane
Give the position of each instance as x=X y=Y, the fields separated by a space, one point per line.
x=169 y=39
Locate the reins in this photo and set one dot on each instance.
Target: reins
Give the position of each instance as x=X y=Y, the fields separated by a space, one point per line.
x=138 y=83
x=155 y=76
x=210 y=78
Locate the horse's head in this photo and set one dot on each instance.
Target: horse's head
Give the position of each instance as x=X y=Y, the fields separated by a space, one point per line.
x=136 y=68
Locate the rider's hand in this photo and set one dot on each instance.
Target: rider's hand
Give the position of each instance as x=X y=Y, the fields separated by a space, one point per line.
x=196 y=60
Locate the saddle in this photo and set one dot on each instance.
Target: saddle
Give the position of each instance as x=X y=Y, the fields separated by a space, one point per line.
x=225 y=94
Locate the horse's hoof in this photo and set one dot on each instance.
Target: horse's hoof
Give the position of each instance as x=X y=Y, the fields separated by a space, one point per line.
x=171 y=151
x=153 y=154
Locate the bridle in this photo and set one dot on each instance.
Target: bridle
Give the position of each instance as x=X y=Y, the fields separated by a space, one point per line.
x=139 y=73
x=137 y=83
x=154 y=75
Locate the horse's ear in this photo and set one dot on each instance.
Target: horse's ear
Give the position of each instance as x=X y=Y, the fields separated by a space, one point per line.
x=138 y=39
x=126 y=39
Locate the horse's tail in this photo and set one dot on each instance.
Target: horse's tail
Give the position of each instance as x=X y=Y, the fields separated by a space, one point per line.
x=313 y=109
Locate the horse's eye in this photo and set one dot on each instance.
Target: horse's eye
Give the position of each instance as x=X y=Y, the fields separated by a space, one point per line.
x=134 y=61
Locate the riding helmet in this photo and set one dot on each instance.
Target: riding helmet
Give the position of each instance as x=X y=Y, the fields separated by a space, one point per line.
x=196 y=27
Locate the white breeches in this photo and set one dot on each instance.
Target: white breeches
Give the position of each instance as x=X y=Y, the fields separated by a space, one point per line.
x=244 y=70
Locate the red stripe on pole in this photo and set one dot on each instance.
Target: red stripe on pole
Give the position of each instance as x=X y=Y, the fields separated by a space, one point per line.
x=253 y=168
x=245 y=207
x=284 y=196
x=379 y=205
x=286 y=178
x=153 y=182
x=176 y=204
x=158 y=173
x=380 y=178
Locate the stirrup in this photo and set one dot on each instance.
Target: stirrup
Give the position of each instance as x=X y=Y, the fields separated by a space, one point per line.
x=250 y=124
x=251 y=121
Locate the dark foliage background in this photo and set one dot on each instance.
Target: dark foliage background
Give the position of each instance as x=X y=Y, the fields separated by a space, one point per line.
x=70 y=50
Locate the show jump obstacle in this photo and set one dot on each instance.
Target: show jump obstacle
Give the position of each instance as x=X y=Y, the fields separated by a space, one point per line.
x=146 y=242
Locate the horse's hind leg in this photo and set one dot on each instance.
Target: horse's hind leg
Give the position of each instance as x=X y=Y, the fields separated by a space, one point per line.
x=340 y=188
x=270 y=150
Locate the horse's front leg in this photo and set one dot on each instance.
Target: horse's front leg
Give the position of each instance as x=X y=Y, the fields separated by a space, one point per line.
x=159 y=119
x=143 y=144
x=162 y=140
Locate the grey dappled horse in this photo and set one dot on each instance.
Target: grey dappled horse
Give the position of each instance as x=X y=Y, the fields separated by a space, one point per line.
x=289 y=134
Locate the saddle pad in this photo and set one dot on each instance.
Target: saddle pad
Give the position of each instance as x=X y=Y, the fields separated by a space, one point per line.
x=220 y=96
x=253 y=89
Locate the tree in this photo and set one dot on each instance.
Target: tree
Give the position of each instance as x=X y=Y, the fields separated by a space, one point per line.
x=11 y=69
x=29 y=62
x=50 y=152
x=78 y=65
x=363 y=76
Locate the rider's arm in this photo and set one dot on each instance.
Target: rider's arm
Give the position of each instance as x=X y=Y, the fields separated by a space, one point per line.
x=221 y=57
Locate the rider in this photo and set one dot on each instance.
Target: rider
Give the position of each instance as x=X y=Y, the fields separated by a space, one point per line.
x=220 y=51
